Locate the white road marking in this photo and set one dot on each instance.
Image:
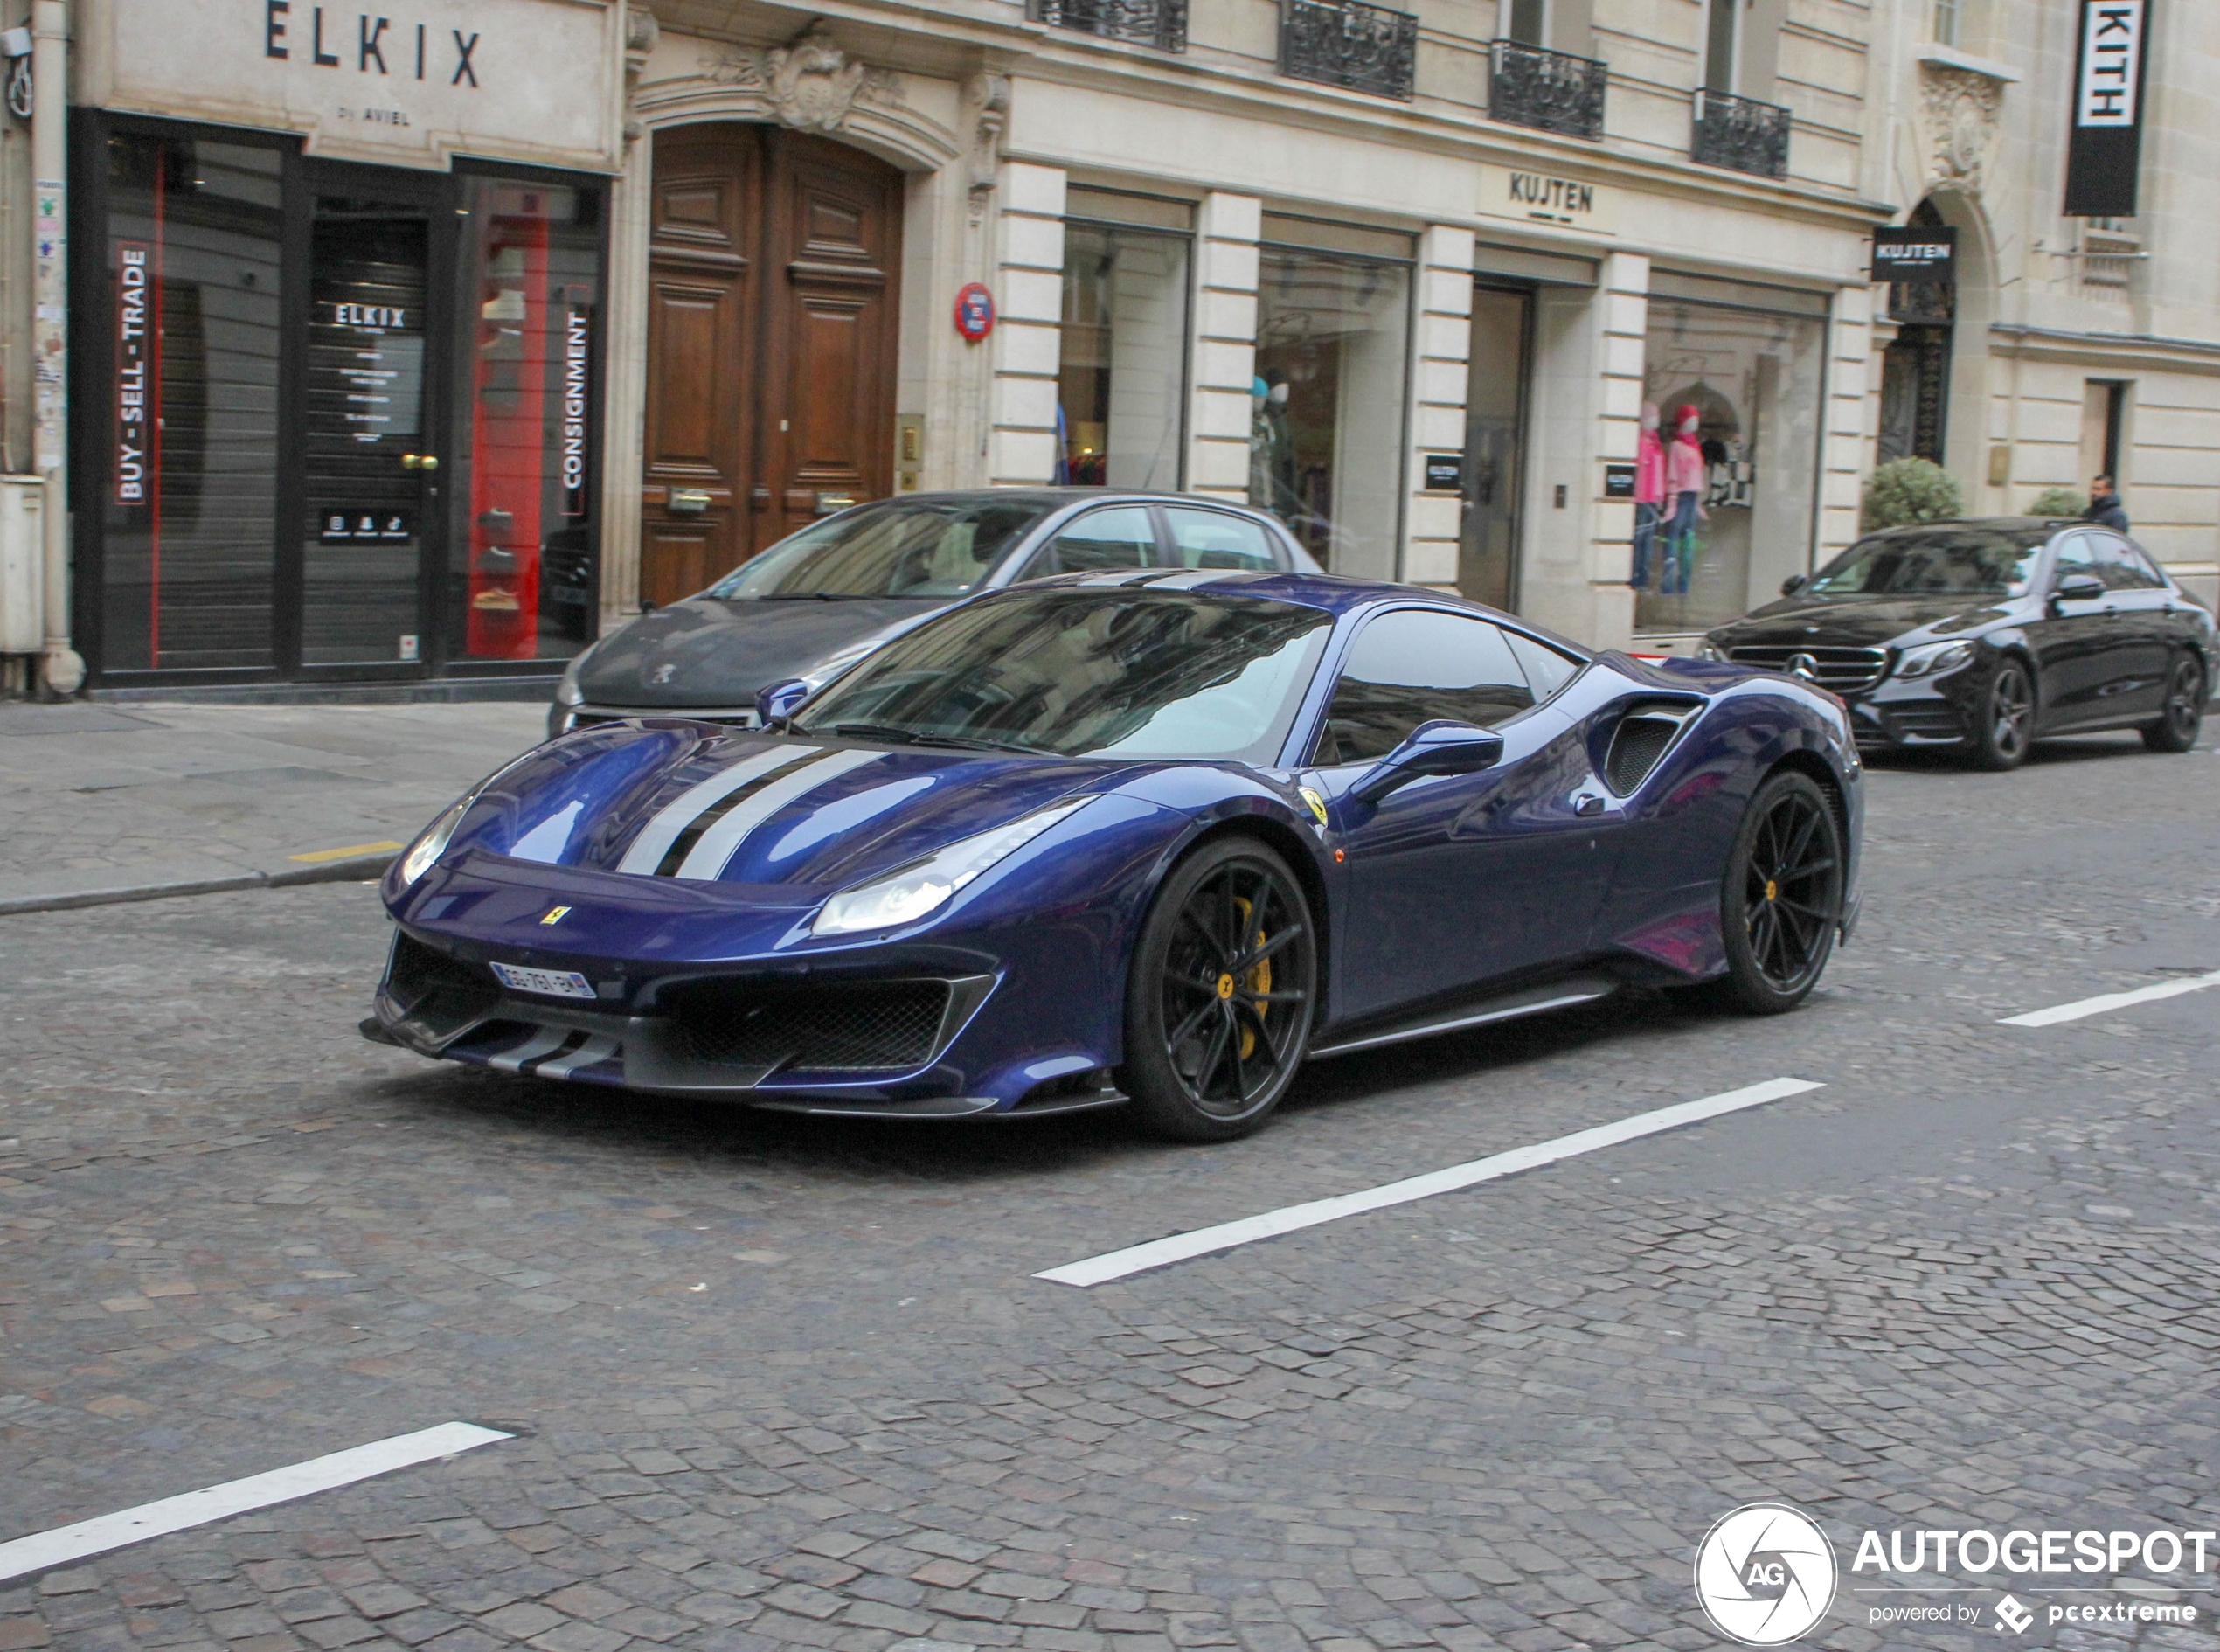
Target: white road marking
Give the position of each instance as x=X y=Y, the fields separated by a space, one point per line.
x=1178 y=1247
x=43 y=1550
x=2098 y=1005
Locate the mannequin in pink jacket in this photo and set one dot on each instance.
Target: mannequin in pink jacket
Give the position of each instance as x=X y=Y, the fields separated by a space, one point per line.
x=1684 y=482
x=1650 y=494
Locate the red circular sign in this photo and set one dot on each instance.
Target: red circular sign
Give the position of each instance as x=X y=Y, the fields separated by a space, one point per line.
x=974 y=312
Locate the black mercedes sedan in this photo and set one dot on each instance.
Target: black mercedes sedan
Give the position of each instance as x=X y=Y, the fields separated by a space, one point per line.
x=1987 y=634
x=812 y=605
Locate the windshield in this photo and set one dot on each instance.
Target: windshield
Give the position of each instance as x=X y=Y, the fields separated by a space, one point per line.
x=1946 y=561
x=917 y=548
x=1112 y=673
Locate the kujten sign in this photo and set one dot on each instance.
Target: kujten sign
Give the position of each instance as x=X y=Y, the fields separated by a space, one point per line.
x=1914 y=254
x=2104 y=140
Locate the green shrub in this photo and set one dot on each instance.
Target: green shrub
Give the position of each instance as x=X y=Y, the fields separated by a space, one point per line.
x=2057 y=502
x=1909 y=490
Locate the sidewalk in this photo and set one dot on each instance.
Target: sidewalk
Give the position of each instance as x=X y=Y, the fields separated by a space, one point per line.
x=96 y=796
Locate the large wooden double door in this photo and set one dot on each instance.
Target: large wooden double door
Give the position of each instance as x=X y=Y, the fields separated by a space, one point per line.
x=771 y=344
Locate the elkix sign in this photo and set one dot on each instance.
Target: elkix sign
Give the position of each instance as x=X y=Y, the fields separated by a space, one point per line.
x=1914 y=254
x=403 y=82
x=2105 y=136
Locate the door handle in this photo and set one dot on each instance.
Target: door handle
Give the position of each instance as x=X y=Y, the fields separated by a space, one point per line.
x=420 y=462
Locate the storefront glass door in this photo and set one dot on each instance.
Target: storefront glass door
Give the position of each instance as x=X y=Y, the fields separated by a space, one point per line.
x=1494 y=414
x=337 y=420
x=371 y=458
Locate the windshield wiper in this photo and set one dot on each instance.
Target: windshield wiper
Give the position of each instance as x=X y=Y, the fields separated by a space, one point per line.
x=922 y=737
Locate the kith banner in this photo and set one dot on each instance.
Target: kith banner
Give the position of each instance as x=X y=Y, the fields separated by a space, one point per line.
x=2104 y=144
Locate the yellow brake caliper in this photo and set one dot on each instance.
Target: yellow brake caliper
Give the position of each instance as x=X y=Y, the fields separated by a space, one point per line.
x=1258 y=980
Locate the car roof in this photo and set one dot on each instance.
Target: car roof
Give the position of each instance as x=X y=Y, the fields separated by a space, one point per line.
x=1335 y=594
x=1065 y=496
x=2041 y=525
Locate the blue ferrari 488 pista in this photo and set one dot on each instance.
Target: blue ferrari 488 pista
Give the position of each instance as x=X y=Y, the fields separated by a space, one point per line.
x=1140 y=837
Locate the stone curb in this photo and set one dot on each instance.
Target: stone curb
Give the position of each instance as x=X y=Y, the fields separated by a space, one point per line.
x=355 y=869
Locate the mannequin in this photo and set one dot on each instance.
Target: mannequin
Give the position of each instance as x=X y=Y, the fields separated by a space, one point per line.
x=1649 y=494
x=1684 y=494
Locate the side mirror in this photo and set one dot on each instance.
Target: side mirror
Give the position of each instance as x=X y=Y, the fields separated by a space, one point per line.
x=775 y=702
x=1794 y=583
x=1434 y=748
x=2078 y=587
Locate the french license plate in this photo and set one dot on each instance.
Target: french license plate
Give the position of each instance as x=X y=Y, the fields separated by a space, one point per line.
x=553 y=983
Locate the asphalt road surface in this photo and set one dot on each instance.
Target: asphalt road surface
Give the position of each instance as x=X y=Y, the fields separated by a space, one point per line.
x=775 y=1382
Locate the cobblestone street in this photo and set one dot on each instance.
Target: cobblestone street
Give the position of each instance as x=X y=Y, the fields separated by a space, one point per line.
x=784 y=1382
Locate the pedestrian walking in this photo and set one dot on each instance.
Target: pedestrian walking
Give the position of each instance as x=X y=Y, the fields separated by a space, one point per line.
x=2105 y=505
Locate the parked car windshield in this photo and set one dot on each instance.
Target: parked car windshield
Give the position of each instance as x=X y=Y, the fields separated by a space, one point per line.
x=1950 y=561
x=904 y=548
x=1111 y=673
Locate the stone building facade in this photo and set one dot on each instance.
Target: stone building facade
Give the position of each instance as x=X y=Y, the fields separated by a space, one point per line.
x=481 y=324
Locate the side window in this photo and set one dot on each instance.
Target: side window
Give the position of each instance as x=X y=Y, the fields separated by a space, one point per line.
x=2075 y=555
x=1546 y=668
x=1214 y=540
x=1411 y=666
x=2121 y=566
x=1116 y=536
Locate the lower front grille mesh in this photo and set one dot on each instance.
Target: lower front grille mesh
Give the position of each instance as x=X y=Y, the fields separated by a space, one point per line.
x=860 y=1027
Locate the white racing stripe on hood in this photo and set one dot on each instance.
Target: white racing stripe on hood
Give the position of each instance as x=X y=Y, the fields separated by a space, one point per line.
x=716 y=845
x=653 y=843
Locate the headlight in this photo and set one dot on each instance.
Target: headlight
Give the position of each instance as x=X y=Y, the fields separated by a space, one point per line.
x=567 y=692
x=923 y=886
x=425 y=852
x=1933 y=659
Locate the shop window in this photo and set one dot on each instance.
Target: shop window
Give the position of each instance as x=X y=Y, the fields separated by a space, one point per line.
x=1326 y=432
x=1724 y=497
x=1121 y=384
x=523 y=582
x=187 y=493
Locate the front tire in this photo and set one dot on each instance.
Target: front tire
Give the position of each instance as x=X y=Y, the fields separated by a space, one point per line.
x=1781 y=906
x=2006 y=728
x=1225 y=982
x=2177 y=726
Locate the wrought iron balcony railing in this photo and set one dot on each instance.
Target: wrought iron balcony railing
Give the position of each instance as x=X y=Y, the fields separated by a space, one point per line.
x=1162 y=24
x=1550 y=91
x=1348 y=43
x=1740 y=133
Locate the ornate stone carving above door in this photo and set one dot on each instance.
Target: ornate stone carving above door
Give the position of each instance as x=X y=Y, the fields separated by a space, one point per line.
x=1958 y=115
x=811 y=84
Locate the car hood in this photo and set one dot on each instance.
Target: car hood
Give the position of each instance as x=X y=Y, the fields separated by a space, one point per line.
x=788 y=819
x=709 y=652
x=1858 y=622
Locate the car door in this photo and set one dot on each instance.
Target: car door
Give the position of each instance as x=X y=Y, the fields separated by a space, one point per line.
x=1454 y=879
x=2074 y=640
x=2143 y=627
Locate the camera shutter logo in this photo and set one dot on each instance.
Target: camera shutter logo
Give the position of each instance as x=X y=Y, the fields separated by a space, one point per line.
x=1764 y=1574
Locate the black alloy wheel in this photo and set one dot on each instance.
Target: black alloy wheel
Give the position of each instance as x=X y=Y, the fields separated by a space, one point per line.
x=2006 y=728
x=1782 y=902
x=1225 y=982
x=2176 y=728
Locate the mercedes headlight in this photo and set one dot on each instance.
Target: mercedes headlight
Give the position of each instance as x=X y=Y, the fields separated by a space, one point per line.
x=425 y=852
x=1933 y=659
x=924 y=886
